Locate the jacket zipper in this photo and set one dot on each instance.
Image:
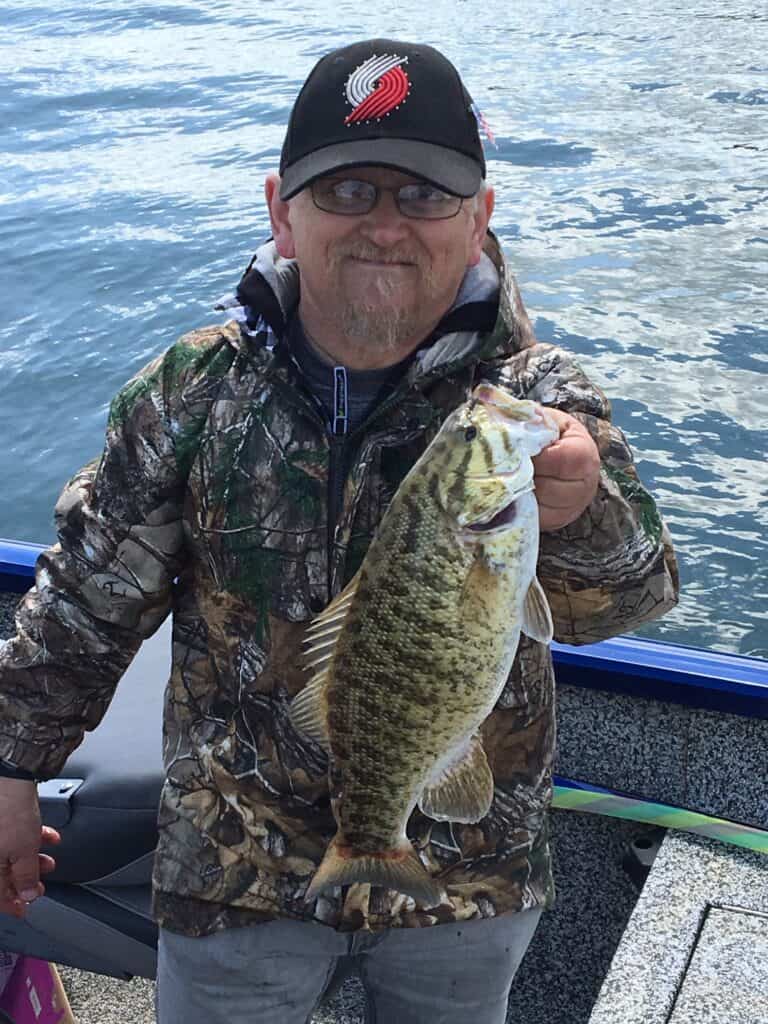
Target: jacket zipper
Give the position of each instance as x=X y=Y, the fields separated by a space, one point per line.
x=338 y=431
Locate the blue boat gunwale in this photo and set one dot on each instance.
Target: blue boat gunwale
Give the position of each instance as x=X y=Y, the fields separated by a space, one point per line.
x=633 y=666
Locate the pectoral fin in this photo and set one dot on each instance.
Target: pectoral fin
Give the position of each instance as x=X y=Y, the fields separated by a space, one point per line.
x=463 y=791
x=537 y=618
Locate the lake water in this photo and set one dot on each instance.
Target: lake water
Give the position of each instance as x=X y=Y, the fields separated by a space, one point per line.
x=632 y=200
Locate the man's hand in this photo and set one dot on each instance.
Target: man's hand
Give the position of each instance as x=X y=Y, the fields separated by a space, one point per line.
x=566 y=473
x=21 y=836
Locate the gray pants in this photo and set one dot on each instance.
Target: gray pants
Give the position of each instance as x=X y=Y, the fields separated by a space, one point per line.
x=276 y=973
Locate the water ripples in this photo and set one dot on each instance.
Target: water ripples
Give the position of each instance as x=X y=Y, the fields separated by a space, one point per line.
x=632 y=201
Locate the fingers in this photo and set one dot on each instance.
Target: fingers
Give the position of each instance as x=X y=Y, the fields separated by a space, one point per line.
x=49 y=835
x=21 y=836
x=570 y=458
x=11 y=900
x=25 y=872
x=20 y=880
x=573 y=456
x=46 y=864
x=566 y=473
x=561 y=502
x=25 y=876
x=17 y=907
x=562 y=494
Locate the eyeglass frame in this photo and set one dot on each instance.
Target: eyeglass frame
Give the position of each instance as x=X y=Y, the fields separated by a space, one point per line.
x=377 y=190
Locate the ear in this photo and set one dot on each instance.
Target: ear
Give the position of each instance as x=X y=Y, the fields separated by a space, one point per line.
x=480 y=219
x=279 y=217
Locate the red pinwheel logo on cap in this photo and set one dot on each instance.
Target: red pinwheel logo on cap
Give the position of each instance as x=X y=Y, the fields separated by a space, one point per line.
x=377 y=88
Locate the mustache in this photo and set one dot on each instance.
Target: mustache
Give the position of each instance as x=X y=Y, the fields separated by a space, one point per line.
x=367 y=251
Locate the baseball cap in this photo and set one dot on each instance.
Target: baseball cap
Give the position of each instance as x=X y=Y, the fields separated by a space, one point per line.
x=388 y=103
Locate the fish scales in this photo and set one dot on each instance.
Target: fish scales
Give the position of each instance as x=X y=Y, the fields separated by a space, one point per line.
x=425 y=645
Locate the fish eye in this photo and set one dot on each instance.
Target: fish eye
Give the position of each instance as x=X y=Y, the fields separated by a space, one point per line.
x=470 y=433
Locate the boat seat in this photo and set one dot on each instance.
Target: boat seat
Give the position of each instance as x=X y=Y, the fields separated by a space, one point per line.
x=111 y=820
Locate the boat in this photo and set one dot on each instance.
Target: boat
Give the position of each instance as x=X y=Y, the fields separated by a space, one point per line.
x=657 y=741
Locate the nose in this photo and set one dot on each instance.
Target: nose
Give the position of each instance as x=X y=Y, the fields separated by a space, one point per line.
x=384 y=225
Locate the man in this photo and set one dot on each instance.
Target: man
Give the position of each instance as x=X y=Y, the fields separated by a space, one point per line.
x=243 y=476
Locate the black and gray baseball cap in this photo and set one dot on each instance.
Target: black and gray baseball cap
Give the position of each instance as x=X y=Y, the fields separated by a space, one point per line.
x=388 y=103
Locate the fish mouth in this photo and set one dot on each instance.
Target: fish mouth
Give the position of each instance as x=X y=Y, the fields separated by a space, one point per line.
x=504 y=518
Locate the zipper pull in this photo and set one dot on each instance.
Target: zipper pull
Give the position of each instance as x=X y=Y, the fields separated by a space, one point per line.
x=340 y=401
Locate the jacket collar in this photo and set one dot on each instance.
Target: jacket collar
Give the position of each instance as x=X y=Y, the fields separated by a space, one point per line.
x=268 y=292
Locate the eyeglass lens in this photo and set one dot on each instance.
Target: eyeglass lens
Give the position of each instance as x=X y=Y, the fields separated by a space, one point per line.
x=351 y=197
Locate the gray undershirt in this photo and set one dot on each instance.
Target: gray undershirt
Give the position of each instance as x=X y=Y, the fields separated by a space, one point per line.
x=348 y=396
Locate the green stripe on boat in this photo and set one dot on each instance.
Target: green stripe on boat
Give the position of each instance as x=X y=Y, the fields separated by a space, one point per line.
x=614 y=805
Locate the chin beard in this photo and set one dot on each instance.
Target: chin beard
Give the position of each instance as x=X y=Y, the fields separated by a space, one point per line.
x=386 y=329
x=384 y=324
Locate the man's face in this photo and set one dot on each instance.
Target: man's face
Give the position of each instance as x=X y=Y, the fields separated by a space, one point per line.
x=379 y=276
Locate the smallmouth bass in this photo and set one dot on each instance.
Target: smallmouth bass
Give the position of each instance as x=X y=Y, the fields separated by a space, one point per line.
x=412 y=656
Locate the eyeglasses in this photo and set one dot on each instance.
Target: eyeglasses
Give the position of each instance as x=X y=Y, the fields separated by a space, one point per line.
x=352 y=198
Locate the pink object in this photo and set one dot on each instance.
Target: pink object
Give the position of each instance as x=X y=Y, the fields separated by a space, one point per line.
x=33 y=994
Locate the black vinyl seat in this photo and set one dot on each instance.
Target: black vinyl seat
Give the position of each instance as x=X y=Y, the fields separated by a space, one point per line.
x=111 y=820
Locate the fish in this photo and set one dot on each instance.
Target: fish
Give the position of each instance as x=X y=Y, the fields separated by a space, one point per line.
x=411 y=657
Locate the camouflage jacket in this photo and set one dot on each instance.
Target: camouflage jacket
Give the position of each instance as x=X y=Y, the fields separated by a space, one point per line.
x=211 y=501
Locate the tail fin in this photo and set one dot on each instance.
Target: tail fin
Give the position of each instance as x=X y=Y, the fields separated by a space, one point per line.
x=397 y=868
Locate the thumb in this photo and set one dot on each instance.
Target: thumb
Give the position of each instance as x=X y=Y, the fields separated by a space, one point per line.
x=25 y=876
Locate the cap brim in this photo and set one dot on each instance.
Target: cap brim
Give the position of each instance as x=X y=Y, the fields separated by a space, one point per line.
x=455 y=172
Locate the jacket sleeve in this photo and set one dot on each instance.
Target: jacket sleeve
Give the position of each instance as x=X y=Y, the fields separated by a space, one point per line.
x=614 y=567
x=106 y=585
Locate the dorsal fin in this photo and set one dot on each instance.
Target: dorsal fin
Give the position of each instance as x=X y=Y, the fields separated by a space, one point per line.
x=309 y=711
x=340 y=603
x=317 y=643
x=323 y=631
